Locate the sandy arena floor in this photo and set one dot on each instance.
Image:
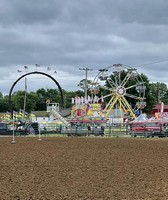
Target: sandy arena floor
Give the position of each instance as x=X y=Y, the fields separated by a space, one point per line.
x=83 y=169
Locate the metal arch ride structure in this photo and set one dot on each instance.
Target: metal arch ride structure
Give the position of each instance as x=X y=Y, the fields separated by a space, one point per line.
x=119 y=88
x=30 y=73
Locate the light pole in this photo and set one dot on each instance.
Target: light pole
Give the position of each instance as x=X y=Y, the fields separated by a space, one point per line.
x=13 y=136
x=86 y=76
x=39 y=138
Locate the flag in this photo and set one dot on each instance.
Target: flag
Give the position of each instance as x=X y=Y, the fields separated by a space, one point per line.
x=76 y=99
x=55 y=72
x=37 y=65
x=89 y=99
x=82 y=99
x=85 y=100
x=73 y=101
x=95 y=100
x=161 y=107
x=7 y=115
x=102 y=103
x=32 y=114
x=15 y=112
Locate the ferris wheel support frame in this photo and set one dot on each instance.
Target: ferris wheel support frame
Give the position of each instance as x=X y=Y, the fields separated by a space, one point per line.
x=118 y=88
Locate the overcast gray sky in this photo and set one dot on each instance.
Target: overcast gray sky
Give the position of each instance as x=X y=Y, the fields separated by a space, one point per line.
x=66 y=35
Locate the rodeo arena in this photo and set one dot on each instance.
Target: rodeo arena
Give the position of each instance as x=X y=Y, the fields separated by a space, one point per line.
x=90 y=115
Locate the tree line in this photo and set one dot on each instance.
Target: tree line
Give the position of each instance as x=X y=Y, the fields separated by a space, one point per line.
x=36 y=101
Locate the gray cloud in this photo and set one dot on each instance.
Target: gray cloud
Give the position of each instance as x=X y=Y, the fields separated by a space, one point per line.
x=66 y=35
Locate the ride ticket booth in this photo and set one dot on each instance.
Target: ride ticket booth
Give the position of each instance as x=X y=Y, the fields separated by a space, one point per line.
x=50 y=106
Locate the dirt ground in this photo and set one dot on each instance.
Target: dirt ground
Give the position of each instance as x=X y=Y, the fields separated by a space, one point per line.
x=75 y=168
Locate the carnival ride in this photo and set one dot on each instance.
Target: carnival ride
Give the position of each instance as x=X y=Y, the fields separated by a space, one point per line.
x=123 y=87
x=117 y=91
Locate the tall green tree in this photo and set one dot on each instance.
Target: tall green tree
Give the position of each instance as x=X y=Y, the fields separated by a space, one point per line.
x=3 y=103
x=18 y=99
x=159 y=92
x=85 y=83
x=41 y=99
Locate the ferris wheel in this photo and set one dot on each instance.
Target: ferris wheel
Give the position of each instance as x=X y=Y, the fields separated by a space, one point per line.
x=120 y=87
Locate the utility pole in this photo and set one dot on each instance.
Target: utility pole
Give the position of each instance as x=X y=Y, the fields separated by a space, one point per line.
x=86 y=76
x=24 y=106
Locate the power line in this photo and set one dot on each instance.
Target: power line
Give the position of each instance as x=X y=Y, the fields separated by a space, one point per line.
x=152 y=63
x=12 y=79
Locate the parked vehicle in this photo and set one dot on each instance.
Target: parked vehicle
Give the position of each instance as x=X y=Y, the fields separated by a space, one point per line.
x=148 y=129
x=4 y=130
x=22 y=129
x=166 y=129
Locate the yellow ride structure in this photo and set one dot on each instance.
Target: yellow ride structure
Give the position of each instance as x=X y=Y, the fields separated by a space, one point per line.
x=122 y=88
